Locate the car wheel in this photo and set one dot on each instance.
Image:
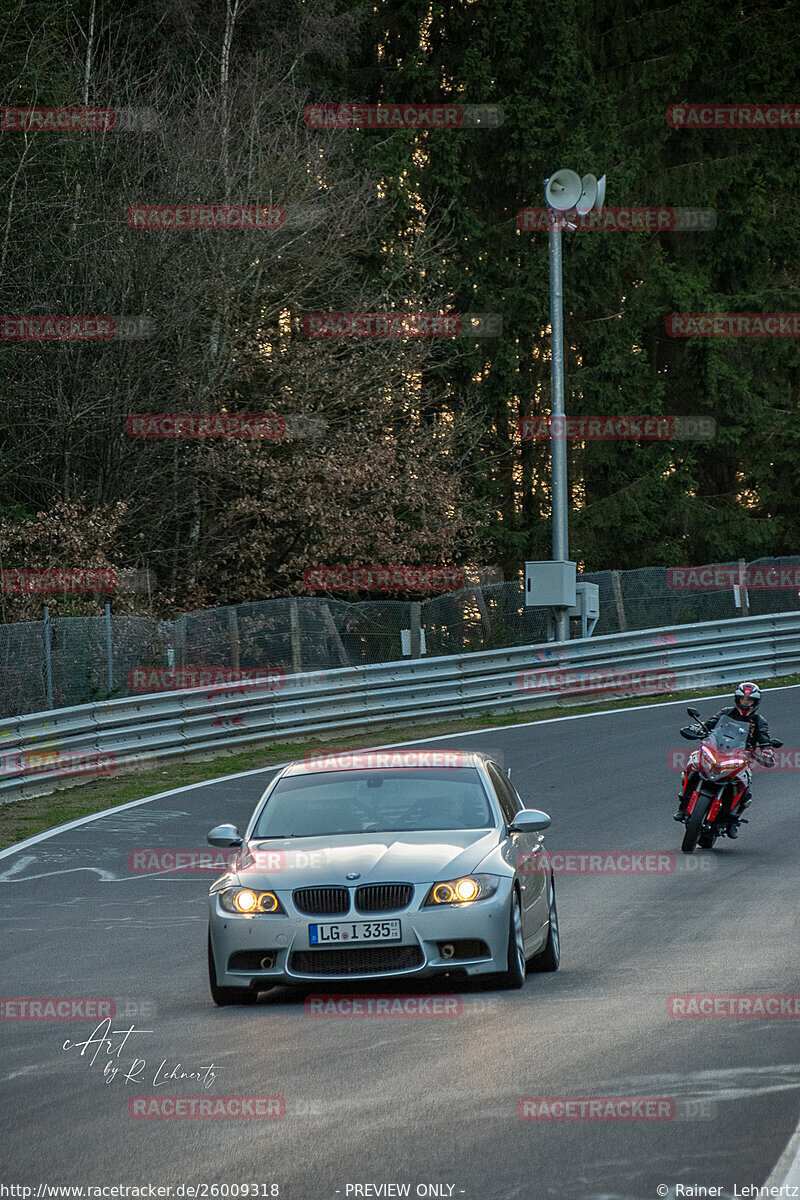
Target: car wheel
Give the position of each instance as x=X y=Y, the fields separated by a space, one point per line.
x=549 y=958
x=226 y=995
x=514 y=975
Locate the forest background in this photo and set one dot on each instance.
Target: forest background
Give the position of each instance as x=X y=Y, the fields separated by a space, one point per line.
x=397 y=451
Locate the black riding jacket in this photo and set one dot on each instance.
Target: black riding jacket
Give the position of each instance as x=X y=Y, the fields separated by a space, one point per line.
x=759 y=731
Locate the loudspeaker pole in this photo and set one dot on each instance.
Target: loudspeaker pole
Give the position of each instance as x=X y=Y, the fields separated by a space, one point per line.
x=558 y=441
x=566 y=195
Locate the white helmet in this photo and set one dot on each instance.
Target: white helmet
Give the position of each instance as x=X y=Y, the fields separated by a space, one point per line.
x=747 y=697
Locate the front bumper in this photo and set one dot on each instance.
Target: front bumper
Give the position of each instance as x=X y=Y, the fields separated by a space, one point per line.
x=239 y=943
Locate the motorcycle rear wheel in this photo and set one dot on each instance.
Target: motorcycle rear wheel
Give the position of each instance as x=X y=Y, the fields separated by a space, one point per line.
x=694 y=825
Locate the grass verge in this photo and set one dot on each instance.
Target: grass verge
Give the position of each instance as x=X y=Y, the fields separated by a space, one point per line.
x=20 y=819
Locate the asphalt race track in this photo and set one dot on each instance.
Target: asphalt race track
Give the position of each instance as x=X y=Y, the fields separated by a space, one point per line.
x=426 y=1101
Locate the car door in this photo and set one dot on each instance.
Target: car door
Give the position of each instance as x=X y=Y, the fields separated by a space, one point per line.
x=524 y=853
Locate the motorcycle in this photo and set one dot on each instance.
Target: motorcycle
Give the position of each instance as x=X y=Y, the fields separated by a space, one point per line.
x=722 y=767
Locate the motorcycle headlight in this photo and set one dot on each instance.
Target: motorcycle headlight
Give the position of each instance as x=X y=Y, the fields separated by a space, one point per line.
x=708 y=761
x=463 y=890
x=246 y=902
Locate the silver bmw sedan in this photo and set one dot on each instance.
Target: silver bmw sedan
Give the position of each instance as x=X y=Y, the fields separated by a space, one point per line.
x=390 y=864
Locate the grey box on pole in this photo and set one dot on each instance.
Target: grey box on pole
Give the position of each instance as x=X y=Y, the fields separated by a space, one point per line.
x=587 y=602
x=550 y=584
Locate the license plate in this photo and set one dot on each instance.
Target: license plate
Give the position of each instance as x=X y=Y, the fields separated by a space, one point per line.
x=354 y=931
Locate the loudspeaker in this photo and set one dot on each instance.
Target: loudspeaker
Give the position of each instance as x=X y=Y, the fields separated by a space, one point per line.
x=588 y=195
x=563 y=190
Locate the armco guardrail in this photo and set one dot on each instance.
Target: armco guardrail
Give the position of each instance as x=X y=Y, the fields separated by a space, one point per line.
x=38 y=750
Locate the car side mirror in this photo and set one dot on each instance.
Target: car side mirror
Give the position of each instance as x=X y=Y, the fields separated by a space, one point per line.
x=530 y=820
x=224 y=836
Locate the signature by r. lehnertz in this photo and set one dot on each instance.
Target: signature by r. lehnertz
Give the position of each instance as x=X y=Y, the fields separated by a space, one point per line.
x=108 y=1044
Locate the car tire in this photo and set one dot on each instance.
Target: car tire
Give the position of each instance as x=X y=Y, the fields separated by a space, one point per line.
x=549 y=958
x=514 y=975
x=223 y=996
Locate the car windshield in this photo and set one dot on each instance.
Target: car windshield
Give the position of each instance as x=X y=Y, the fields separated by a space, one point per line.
x=728 y=734
x=363 y=801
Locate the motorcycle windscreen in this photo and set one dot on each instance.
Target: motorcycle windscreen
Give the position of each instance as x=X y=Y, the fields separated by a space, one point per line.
x=728 y=734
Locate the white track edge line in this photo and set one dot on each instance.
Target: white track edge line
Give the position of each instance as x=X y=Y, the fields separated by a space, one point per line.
x=786 y=1172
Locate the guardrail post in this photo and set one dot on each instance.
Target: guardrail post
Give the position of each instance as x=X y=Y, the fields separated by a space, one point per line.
x=180 y=641
x=483 y=610
x=233 y=630
x=294 y=630
x=338 y=644
x=416 y=624
x=743 y=588
x=109 y=651
x=615 y=583
x=48 y=661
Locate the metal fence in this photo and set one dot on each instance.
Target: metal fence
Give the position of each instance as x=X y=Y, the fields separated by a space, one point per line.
x=36 y=752
x=72 y=660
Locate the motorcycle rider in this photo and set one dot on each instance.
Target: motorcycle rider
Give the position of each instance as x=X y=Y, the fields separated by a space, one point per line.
x=746 y=700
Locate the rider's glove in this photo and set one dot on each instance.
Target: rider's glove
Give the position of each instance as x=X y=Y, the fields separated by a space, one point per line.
x=768 y=758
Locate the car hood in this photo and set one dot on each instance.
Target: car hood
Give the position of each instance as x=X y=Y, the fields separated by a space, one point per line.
x=376 y=857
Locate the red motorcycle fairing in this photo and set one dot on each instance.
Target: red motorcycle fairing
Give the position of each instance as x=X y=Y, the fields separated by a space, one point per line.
x=715 y=807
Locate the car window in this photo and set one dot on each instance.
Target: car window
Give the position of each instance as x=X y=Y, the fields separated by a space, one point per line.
x=334 y=802
x=509 y=801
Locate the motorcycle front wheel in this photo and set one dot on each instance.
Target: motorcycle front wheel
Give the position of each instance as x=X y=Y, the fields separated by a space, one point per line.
x=694 y=825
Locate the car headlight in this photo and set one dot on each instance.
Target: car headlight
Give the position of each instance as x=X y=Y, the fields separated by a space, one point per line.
x=245 y=902
x=463 y=890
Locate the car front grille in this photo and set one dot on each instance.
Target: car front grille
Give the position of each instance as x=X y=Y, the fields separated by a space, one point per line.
x=383 y=897
x=371 y=960
x=328 y=900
